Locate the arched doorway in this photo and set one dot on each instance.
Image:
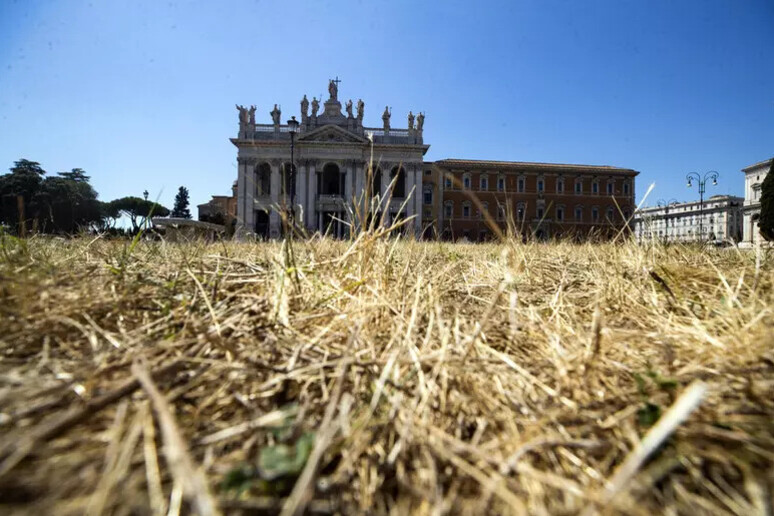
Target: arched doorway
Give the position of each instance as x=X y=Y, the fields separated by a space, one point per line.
x=332 y=180
x=262 y=224
x=399 y=189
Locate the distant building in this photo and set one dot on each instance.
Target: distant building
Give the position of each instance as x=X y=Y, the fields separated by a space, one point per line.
x=334 y=151
x=721 y=219
x=753 y=180
x=544 y=200
x=221 y=208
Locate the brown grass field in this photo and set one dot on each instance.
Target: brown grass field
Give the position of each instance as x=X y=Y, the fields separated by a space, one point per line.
x=384 y=376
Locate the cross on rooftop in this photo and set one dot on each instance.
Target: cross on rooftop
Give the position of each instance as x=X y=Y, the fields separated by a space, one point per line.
x=337 y=81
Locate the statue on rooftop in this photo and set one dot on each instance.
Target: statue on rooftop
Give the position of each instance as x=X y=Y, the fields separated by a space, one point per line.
x=420 y=121
x=275 y=115
x=349 y=108
x=386 y=117
x=243 y=117
x=304 y=107
x=360 y=107
x=411 y=121
x=251 y=112
x=333 y=89
x=315 y=107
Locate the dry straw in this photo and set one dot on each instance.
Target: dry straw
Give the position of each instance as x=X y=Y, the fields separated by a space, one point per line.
x=382 y=375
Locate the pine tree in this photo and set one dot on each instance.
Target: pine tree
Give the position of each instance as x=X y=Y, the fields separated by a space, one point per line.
x=766 y=222
x=180 y=209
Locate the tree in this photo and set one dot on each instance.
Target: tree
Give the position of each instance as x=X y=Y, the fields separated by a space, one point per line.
x=138 y=210
x=180 y=209
x=766 y=221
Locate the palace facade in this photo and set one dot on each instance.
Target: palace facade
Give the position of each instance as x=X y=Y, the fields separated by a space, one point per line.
x=332 y=152
x=719 y=219
x=753 y=180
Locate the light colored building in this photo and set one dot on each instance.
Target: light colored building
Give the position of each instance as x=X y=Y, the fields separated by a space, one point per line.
x=220 y=207
x=753 y=180
x=332 y=153
x=720 y=220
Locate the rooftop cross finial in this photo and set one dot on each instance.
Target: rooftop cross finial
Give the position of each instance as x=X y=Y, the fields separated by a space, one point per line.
x=337 y=81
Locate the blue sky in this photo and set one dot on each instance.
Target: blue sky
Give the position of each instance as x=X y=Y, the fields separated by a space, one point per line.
x=141 y=94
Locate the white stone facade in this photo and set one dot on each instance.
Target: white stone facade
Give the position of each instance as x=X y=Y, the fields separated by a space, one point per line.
x=753 y=179
x=332 y=153
x=720 y=220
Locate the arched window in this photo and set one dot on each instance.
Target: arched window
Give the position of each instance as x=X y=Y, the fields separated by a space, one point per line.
x=263 y=180
x=466 y=209
x=560 y=185
x=466 y=180
x=399 y=189
x=427 y=196
x=560 y=213
x=611 y=187
x=483 y=182
x=579 y=186
x=520 y=208
x=484 y=209
x=500 y=183
x=579 y=213
x=594 y=214
x=610 y=214
x=521 y=184
x=376 y=184
x=595 y=187
x=331 y=180
x=448 y=210
x=541 y=185
x=626 y=188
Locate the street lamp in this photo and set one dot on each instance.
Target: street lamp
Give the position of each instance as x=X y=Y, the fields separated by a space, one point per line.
x=292 y=129
x=694 y=176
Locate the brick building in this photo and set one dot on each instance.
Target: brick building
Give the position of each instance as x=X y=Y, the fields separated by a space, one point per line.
x=543 y=200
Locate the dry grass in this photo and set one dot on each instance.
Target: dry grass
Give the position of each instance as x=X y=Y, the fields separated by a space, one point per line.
x=384 y=376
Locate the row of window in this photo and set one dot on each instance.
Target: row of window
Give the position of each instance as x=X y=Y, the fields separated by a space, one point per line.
x=521 y=183
x=559 y=211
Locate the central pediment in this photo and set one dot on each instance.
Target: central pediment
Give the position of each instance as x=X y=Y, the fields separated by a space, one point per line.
x=331 y=134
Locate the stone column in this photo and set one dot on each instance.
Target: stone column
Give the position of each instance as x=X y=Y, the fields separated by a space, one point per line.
x=301 y=182
x=418 y=199
x=249 y=216
x=348 y=183
x=411 y=180
x=241 y=176
x=274 y=218
x=385 y=206
x=311 y=196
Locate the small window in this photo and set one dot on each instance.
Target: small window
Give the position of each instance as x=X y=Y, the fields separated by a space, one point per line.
x=500 y=212
x=448 y=210
x=466 y=210
x=484 y=209
x=626 y=188
x=428 y=172
x=540 y=185
x=610 y=214
x=579 y=186
x=428 y=197
x=595 y=214
x=520 y=185
x=520 y=211
x=447 y=183
x=595 y=187
x=466 y=181
x=560 y=214
x=483 y=183
x=501 y=184
x=540 y=212
x=609 y=188
x=560 y=185
x=578 y=213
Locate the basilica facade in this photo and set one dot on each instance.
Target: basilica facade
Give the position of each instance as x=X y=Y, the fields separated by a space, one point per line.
x=331 y=155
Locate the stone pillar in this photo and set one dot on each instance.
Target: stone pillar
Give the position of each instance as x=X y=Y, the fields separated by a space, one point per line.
x=411 y=179
x=348 y=183
x=418 y=194
x=384 y=205
x=274 y=218
x=311 y=196
x=241 y=176
x=249 y=216
x=301 y=182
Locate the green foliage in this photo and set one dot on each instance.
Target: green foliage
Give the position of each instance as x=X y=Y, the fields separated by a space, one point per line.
x=766 y=222
x=65 y=203
x=180 y=209
x=285 y=459
x=137 y=210
x=649 y=412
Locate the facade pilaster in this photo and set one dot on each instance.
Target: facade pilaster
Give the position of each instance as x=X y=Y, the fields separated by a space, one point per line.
x=241 y=177
x=311 y=200
x=301 y=189
x=274 y=218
